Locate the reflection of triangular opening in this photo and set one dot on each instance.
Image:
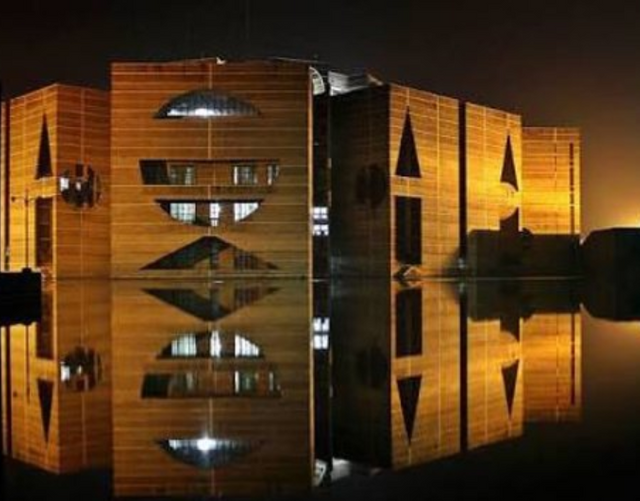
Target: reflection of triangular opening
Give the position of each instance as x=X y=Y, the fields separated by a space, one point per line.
x=209 y=253
x=45 y=394
x=43 y=168
x=509 y=377
x=212 y=306
x=409 y=389
x=508 y=174
x=408 y=165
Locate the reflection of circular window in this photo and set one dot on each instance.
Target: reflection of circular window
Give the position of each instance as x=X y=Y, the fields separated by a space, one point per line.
x=508 y=200
x=81 y=189
x=81 y=369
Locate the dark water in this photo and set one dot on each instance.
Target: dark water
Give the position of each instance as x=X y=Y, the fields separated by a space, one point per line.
x=349 y=390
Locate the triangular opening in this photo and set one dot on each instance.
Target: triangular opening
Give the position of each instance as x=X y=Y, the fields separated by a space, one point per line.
x=45 y=395
x=408 y=164
x=409 y=389
x=210 y=253
x=509 y=378
x=43 y=168
x=508 y=174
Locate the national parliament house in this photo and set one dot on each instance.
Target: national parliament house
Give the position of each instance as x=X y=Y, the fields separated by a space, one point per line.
x=280 y=168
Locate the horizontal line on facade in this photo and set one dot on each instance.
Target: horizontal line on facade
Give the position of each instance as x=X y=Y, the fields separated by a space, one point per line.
x=204 y=130
x=236 y=92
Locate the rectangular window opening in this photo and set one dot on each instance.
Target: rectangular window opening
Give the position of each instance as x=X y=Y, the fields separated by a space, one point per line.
x=182 y=174
x=245 y=174
x=185 y=212
x=273 y=171
x=409 y=322
x=408 y=235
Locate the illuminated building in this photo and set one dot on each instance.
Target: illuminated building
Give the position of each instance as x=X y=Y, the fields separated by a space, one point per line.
x=283 y=168
x=551 y=199
x=425 y=185
x=58 y=203
x=211 y=169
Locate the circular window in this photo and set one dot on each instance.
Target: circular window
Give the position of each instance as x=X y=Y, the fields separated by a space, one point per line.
x=82 y=188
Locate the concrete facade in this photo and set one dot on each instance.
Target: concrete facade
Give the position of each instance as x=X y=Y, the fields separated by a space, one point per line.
x=58 y=201
x=214 y=221
x=270 y=168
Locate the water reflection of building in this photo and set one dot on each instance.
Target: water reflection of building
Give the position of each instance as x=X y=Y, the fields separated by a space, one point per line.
x=553 y=375
x=494 y=374
x=548 y=321
x=212 y=386
x=57 y=389
x=429 y=370
x=548 y=318
x=212 y=390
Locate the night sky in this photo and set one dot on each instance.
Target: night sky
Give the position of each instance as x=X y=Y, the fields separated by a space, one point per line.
x=570 y=63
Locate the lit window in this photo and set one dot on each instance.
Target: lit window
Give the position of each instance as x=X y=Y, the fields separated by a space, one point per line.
x=273 y=171
x=321 y=329
x=320 y=221
x=320 y=342
x=321 y=324
x=320 y=214
x=245 y=382
x=214 y=213
x=245 y=174
x=320 y=230
x=65 y=373
x=245 y=348
x=206 y=104
x=216 y=345
x=184 y=346
x=182 y=174
x=213 y=344
x=209 y=213
x=243 y=210
x=185 y=212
